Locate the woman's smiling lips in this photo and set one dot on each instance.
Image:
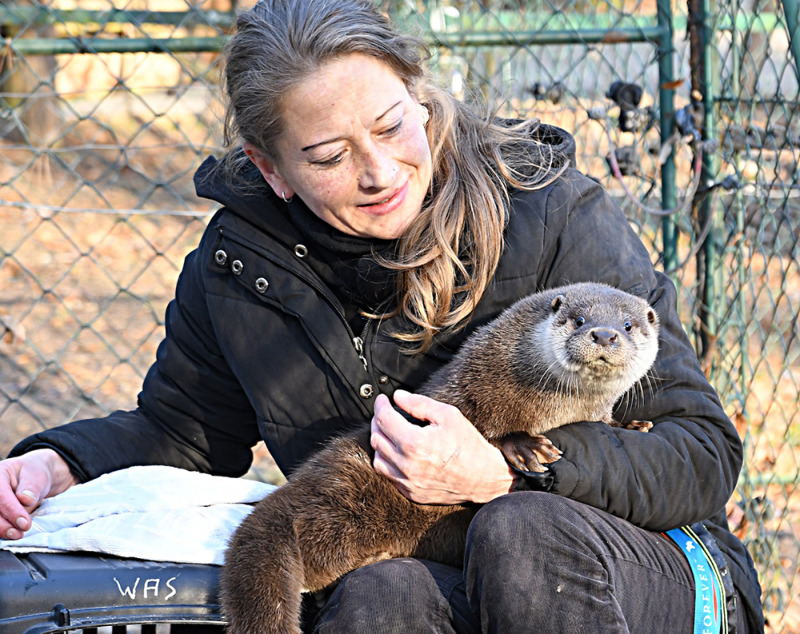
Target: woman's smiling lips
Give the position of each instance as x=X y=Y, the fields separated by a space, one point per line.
x=388 y=204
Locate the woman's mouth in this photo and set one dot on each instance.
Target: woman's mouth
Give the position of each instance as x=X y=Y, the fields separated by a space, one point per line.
x=388 y=204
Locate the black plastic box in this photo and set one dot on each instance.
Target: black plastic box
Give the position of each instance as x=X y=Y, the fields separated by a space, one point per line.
x=90 y=594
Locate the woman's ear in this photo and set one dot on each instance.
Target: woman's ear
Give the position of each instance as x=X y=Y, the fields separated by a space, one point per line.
x=269 y=171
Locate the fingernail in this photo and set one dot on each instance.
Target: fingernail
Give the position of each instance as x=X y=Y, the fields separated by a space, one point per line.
x=22 y=523
x=30 y=495
x=12 y=533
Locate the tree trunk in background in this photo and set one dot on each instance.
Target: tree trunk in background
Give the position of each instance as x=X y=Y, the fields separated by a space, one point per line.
x=31 y=110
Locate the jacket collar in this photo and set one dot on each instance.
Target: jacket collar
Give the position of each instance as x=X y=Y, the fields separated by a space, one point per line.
x=561 y=141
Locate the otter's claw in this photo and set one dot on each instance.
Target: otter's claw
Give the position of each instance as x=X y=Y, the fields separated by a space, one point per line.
x=635 y=425
x=526 y=452
x=639 y=425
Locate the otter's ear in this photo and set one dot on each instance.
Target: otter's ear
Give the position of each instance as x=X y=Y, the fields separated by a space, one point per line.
x=556 y=303
x=651 y=316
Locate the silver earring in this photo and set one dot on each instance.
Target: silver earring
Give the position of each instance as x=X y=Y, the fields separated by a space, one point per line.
x=425 y=114
x=286 y=200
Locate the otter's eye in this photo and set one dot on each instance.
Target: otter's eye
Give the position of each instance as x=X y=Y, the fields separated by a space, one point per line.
x=627 y=325
x=579 y=322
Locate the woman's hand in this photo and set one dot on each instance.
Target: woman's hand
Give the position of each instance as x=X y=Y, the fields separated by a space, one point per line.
x=24 y=482
x=447 y=462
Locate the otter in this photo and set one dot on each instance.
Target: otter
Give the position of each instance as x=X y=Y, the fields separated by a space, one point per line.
x=555 y=357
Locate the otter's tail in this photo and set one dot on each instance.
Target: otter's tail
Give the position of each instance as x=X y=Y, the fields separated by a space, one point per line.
x=262 y=580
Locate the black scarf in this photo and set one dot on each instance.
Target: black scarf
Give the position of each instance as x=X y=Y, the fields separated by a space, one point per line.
x=346 y=264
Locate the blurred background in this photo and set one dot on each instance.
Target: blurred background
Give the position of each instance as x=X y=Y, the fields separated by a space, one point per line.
x=684 y=111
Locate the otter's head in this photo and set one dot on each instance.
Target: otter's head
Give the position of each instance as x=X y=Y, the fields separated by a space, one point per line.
x=603 y=334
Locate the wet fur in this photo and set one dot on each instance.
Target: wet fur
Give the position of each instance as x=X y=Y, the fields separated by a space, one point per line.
x=530 y=370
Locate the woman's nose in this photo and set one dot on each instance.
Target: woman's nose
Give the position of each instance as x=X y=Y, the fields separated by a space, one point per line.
x=378 y=170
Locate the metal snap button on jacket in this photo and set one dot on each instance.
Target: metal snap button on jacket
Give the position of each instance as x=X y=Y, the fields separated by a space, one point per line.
x=220 y=257
x=237 y=267
x=300 y=250
x=366 y=390
x=262 y=285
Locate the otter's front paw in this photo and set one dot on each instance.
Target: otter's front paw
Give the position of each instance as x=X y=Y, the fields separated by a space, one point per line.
x=527 y=453
x=639 y=425
x=635 y=425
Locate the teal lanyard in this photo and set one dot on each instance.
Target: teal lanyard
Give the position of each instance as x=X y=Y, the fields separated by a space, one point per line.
x=710 y=616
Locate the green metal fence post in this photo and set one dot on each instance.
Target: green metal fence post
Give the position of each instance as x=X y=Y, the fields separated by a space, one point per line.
x=708 y=212
x=791 y=11
x=666 y=97
x=703 y=83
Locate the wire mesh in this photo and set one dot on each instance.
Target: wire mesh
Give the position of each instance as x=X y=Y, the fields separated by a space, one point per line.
x=107 y=111
x=757 y=360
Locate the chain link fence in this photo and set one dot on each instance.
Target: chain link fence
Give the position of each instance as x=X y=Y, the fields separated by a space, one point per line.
x=107 y=112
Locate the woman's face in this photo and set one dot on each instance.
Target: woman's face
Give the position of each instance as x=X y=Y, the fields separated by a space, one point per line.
x=354 y=148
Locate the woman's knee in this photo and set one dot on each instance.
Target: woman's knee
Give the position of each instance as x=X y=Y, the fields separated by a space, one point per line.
x=523 y=529
x=396 y=595
x=519 y=517
x=542 y=547
x=497 y=530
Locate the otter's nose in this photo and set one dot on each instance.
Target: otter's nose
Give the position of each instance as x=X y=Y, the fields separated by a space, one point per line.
x=604 y=336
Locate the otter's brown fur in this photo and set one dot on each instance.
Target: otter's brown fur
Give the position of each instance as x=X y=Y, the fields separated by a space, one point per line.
x=555 y=357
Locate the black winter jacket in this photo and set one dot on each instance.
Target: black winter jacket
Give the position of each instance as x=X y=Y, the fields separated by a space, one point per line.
x=258 y=347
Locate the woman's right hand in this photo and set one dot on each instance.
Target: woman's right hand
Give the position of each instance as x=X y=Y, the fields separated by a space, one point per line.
x=24 y=482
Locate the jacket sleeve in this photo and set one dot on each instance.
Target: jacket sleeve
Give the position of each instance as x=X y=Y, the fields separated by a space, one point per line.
x=685 y=469
x=192 y=412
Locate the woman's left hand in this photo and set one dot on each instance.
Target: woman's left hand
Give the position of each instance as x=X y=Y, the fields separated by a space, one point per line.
x=446 y=462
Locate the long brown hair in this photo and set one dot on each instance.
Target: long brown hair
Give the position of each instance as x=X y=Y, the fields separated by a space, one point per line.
x=448 y=255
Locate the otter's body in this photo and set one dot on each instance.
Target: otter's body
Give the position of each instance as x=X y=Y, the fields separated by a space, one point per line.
x=556 y=357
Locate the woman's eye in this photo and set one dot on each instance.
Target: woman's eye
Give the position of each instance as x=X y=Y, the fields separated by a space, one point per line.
x=330 y=162
x=393 y=129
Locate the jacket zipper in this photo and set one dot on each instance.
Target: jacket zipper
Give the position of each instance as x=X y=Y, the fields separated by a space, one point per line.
x=358 y=343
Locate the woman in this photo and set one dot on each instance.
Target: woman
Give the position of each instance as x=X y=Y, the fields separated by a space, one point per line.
x=369 y=224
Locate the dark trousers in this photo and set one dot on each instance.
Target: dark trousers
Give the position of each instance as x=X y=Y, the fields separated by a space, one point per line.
x=535 y=562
